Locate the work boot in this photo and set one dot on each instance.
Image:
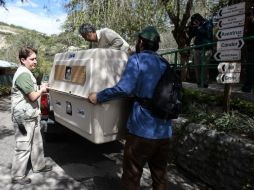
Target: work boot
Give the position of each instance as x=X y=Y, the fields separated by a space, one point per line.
x=46 y=168
x=21 y=180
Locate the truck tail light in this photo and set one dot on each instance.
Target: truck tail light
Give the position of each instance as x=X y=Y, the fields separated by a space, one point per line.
x=44 y=104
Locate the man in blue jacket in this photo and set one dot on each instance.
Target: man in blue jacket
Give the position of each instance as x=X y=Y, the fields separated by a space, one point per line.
x=148 y=137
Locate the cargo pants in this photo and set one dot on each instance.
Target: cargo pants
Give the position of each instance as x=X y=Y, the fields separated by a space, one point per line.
x=29 y=144
x=137 y=152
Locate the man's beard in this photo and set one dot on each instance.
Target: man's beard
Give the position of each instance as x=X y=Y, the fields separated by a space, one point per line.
x=137 y=47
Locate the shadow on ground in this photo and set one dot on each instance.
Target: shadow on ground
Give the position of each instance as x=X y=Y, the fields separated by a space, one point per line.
x=5 y=103
x=5 y=132
x=90 y=164
x=99 y=167
x=42 y=181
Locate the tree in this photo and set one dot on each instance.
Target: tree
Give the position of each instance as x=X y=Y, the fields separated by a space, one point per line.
x=179 y=12
x=32 y=39
x=129 y=16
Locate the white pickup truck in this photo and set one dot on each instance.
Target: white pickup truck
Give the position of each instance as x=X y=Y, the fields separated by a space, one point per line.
x=73 y=76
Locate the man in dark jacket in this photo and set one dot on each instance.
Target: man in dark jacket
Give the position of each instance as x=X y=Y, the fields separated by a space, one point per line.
x=202 y=32
x=148 y=137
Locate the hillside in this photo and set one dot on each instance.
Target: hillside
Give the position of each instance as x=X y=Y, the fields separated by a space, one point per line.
x=6 y=29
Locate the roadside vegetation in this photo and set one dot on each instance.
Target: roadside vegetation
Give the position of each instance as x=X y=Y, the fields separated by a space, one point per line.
x=207 y=109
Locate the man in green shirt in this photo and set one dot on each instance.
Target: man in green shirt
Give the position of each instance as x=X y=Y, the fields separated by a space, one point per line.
x=26 y=119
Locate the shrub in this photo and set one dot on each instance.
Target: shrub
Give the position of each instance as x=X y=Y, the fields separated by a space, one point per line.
x=207 y=109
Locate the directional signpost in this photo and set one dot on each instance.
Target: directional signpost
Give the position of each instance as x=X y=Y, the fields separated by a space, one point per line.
x=226 y=78
x=230 y=22
x=229 y=67
x=230 y=34
x=229 y=72
x=230 y=55
x=232 y=10
x=230 y=44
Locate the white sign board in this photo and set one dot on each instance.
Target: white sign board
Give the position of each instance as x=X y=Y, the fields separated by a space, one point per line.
x=231 y=67
x=228 y=78
x=230 y=44
x=230 y=22
x=230 y=33
x=230 y=55
x=236 y=9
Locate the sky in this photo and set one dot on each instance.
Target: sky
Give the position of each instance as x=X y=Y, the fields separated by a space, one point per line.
x=45 y=16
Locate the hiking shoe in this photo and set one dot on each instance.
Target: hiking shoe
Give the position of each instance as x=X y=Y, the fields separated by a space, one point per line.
x=22 y=181
x=46 y=168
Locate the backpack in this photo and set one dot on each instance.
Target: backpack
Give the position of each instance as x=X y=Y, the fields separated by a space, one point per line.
x=166 y=102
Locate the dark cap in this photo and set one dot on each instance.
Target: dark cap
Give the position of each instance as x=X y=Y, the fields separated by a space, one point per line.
x=150 y=33
x=197 y=16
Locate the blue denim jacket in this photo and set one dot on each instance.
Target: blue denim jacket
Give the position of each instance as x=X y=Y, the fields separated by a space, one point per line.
x=142 y=72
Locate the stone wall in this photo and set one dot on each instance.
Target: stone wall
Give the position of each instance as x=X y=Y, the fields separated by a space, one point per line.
x=222 y=161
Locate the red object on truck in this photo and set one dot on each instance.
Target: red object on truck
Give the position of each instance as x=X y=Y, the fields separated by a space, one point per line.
x=44 y=105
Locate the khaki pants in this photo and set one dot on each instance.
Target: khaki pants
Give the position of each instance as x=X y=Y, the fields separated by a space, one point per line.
x=137 y=152
x=29 y=143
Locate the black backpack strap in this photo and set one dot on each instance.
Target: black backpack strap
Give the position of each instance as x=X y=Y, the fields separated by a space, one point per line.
x=144 y=102
x=147 y=104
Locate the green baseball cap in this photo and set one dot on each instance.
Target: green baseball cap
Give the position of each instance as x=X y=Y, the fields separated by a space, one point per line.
x=149 y=33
